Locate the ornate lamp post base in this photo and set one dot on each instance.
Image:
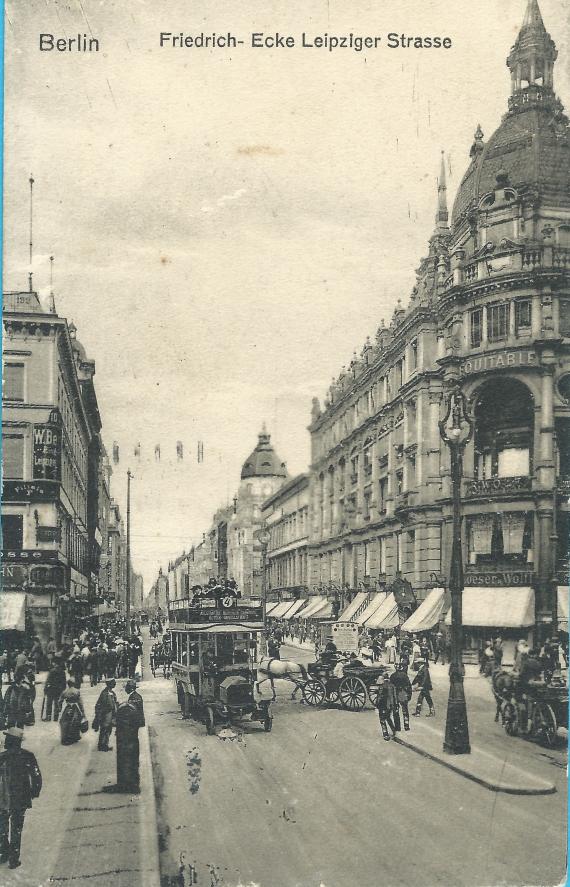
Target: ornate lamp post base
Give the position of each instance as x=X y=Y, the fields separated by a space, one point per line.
x=456 y=740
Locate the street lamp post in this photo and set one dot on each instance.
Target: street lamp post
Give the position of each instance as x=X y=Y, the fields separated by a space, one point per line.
x=128 y=584
x=263 y=537
x=456 y=429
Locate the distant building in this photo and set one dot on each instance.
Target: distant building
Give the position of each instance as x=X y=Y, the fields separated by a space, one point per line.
x=286 y=516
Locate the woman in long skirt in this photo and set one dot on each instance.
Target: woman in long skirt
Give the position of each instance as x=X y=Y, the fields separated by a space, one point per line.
x=72 y=715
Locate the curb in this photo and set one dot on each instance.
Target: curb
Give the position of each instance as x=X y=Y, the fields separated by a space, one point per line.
x=509 y=789
x=150 y=875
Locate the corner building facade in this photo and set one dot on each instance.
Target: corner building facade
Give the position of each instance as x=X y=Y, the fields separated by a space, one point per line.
x=491 y=309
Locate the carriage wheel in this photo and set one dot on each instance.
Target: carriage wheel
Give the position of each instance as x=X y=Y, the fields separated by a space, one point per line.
x=373 y=691
x=314 y=692
x=210 y=721
x=352 y=693
x=544 y=724
x=510 y=719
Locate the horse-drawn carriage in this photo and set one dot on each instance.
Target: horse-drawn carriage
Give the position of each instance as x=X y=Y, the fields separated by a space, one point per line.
x=160 y=657
x=358 y=684
x=536 y=713
x=214 y=654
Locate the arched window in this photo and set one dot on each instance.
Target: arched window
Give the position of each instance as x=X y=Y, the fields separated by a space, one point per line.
x=504 y=429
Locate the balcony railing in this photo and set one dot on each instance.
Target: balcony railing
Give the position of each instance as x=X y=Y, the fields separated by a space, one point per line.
x=511 y=260
x=497 y=486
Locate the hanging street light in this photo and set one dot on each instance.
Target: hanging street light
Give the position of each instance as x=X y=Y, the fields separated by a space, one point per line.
x=456 y=430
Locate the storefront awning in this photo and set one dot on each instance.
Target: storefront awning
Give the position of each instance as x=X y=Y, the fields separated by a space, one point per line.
x=372 y=607
x=313 y=604
x=105 y=609
x=428 y=613
x=497 y=607
x=355 y=604
x=562 y=607
x=12 y=611
x=270 y=607
x=323 y=612
x=386 y=616
x=294 y=611
x=281 y=609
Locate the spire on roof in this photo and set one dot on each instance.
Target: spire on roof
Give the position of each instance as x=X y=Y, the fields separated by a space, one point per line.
x=531 y=60
x=442 y=215
x=533 y=16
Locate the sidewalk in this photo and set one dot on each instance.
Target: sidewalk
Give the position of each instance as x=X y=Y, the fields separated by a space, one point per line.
x=489 y=770
x=78 y=832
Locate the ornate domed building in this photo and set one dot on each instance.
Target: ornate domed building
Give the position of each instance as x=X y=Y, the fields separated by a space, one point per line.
x=490 y=309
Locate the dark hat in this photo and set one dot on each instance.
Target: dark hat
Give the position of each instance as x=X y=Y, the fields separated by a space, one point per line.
x=130 y=687
x=111 y=682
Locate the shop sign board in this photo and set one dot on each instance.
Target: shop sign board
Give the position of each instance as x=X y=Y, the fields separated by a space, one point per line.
x=345 y=636
x=403 y=592
x=13 y=575
x=47 y=452
x=499 y=580
x=22 y=490
x=508 y=360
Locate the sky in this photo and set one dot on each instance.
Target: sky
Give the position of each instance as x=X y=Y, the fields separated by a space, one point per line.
x=228 y=225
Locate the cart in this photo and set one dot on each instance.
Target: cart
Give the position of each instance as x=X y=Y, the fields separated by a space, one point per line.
x=545 y=710
x=357 y=686
x=214 y=647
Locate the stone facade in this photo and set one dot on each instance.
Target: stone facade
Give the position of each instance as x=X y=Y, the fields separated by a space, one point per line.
x=286 y=516
x=490 y=309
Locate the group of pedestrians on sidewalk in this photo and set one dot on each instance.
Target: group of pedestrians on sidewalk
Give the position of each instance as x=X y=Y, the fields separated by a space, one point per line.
x=395 y=694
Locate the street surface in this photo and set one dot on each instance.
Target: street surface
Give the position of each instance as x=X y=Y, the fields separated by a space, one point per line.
x=323 y=800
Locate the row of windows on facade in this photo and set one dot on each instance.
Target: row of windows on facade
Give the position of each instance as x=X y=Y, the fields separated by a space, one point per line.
x=14 y=391
x=288 y=529
x=73 y=545
x=498 y=539
x=288 y=570
x=492 y=323
x=14 y=468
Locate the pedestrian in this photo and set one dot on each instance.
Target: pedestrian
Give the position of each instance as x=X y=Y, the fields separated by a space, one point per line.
x=403 y=689
x=273 y=647
x=51 y=650
x=487 y=660
x=20 y=782
x=53 y=688
x=133 y=658
x=498 y=651
x=105 y=711
x=439 y=648
x=72 y=721
x=18 y=705
x=425 y=651
x=111 y=662
x=130 y=718
x=391 y=649
x=423 y=681
x=387 y=704
x=377 y=647
x=36 y=653
x=75 y=666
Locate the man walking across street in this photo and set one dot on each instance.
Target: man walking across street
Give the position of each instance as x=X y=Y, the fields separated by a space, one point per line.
x=20 y=782
x=105 y=711
x=403 y=688
x=54 y=686
x=423 y=681
x=387 y=705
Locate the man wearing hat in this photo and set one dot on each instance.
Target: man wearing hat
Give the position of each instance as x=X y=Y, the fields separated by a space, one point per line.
x=20 y=781
x=105 y=711
x=135 y=699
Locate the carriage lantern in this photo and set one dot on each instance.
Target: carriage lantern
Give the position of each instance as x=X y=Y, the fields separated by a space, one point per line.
x=456 y=429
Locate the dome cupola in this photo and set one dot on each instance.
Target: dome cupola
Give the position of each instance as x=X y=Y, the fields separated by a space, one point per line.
x=264 y=461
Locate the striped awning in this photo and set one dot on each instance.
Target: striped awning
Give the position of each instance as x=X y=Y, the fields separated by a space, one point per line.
x=313 y=604
x=428 y=613
x=281 y=609
x=324 y=612
x=355 y=604
x=270 y=607
x=386 y=616
x=372 y=607
x=294 y=611
x=12 y=611
x=497 y=607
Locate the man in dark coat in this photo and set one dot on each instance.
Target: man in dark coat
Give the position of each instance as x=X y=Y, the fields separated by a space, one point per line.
x=18 y=704
x=105 y=711
x=130 y=718
x=387 y=705
x=20 y=782
x=54 y=686
x=423 y=681
x=403 y=688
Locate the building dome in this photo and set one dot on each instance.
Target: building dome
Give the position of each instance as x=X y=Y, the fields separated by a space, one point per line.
x=530 y=151
x=264 y=461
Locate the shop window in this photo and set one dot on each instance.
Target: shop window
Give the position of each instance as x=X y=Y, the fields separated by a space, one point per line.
x=504 y=429
x=523 y=317
x=476 y=325
x=504 y=537
x=497 y=322
x=13 y=384
x=12 y=532
x=13 y=456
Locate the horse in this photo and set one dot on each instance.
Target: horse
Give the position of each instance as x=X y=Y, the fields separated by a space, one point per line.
x=285 y=669
x=503 y=684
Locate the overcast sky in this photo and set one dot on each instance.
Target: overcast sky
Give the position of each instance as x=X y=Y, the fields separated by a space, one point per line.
x=229 y=225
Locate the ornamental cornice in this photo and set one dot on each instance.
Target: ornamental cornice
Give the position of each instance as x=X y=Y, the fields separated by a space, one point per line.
x=456 y=296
